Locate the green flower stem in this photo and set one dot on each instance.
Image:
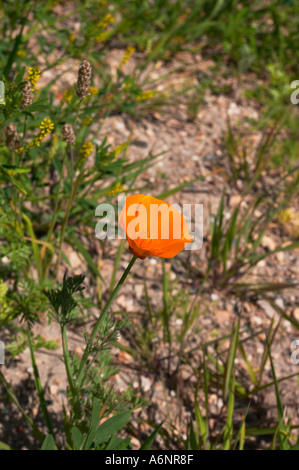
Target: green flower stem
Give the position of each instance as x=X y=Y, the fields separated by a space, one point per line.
x=56 y=209
x=39 y=387
x=38 y=434
x=65 y=221
x=16 y=201
x=77 y=114
x=74 y=188
x=67 y=361
x=24 y=131
x=24 y=137
x=99 y=320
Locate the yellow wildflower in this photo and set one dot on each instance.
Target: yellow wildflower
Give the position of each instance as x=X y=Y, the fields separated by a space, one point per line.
x=102 y=37
x=9 y=99
x=129 y=51
x=86 y=121
x=119 y=149
x=86 y=149
x=108 y=19
x=289 y=218
x=21 y=53
x=33 y=76
x=46 y=127
x=286 y=215
x=68 y=94
x=93 y=91
x=117 y=188
x=145 y=95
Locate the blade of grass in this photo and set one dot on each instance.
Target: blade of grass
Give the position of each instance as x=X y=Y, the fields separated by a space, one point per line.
x=231 y=358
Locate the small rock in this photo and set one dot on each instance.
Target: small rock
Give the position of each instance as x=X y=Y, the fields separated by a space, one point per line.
x=280 y=302
x=124 y=357
x=261 y=264
x=270 y=311
x=268 y=242
x=211 y=157
x=296 y=313
x=53 y=389
x=135 y=443
x=78 y=351
x=257 y=320
x=235 y=200
x=125 y=303
x=139 y=291
x=214 y=297
x=280 y=257
x=146 y=384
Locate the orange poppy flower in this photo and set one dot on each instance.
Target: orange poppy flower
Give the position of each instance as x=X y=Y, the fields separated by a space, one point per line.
x=153 y=227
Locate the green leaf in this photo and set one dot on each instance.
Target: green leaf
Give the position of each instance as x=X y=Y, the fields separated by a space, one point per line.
x=13 y=170
x=281 y=429
x=49 y=443
x=12 y=180
x=41 y=105
x=111 y=426
x=192 y=443
x=296 y=446
x=4 y=446
x=95 y=418
x=36 y=251
x=231 y=358
x=20 y=75
x=200 y=423
x=95 y=414
x=77 y=438
x=116 y=443
x=150 y=439
x=17 y=42
x=228 y=429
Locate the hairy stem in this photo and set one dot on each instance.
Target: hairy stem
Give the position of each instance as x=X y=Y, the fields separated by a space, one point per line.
x=96 y=327
x=39 y=387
